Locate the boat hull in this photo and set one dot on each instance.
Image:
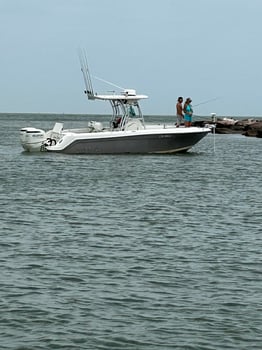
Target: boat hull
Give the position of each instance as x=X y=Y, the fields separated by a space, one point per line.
x=135 y=143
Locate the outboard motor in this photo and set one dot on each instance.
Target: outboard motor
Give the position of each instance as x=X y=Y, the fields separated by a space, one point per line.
x=32 y=139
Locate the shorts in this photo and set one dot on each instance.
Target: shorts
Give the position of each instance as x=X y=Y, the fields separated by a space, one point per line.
x=179 y=119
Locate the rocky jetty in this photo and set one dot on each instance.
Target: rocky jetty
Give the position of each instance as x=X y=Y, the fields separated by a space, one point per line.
x=254 y=129
x=247 y=127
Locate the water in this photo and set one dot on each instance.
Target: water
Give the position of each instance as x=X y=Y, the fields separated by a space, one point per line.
x=130 y=252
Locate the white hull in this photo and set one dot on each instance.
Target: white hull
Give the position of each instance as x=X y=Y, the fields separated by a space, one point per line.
x=151 y=139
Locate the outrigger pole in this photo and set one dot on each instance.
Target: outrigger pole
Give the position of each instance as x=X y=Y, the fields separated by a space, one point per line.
x=86 y=74
x=109 y=83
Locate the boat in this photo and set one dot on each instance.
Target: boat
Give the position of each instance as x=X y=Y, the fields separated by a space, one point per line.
x=126 y=131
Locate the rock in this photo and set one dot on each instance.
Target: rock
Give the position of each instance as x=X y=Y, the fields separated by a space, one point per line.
x=253 y=129
x=228 y=126
x=247 y=127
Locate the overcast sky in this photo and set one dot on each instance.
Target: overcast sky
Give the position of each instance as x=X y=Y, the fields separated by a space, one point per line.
x=205 y=49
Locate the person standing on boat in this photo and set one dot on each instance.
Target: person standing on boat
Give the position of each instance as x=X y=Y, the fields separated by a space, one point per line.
x=188 y=110
x=179 y=112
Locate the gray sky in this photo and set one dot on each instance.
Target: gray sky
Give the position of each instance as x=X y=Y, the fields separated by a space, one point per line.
x=205 y=49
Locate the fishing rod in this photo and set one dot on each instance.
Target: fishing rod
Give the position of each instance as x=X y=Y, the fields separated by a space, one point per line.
x=207 y=101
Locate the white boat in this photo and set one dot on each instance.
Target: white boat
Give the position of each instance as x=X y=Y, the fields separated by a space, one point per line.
x=126 y=131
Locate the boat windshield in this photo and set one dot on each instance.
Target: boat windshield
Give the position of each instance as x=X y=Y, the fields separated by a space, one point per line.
x=123 y=110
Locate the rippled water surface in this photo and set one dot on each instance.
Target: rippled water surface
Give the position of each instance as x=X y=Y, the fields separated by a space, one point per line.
x=130 y=252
